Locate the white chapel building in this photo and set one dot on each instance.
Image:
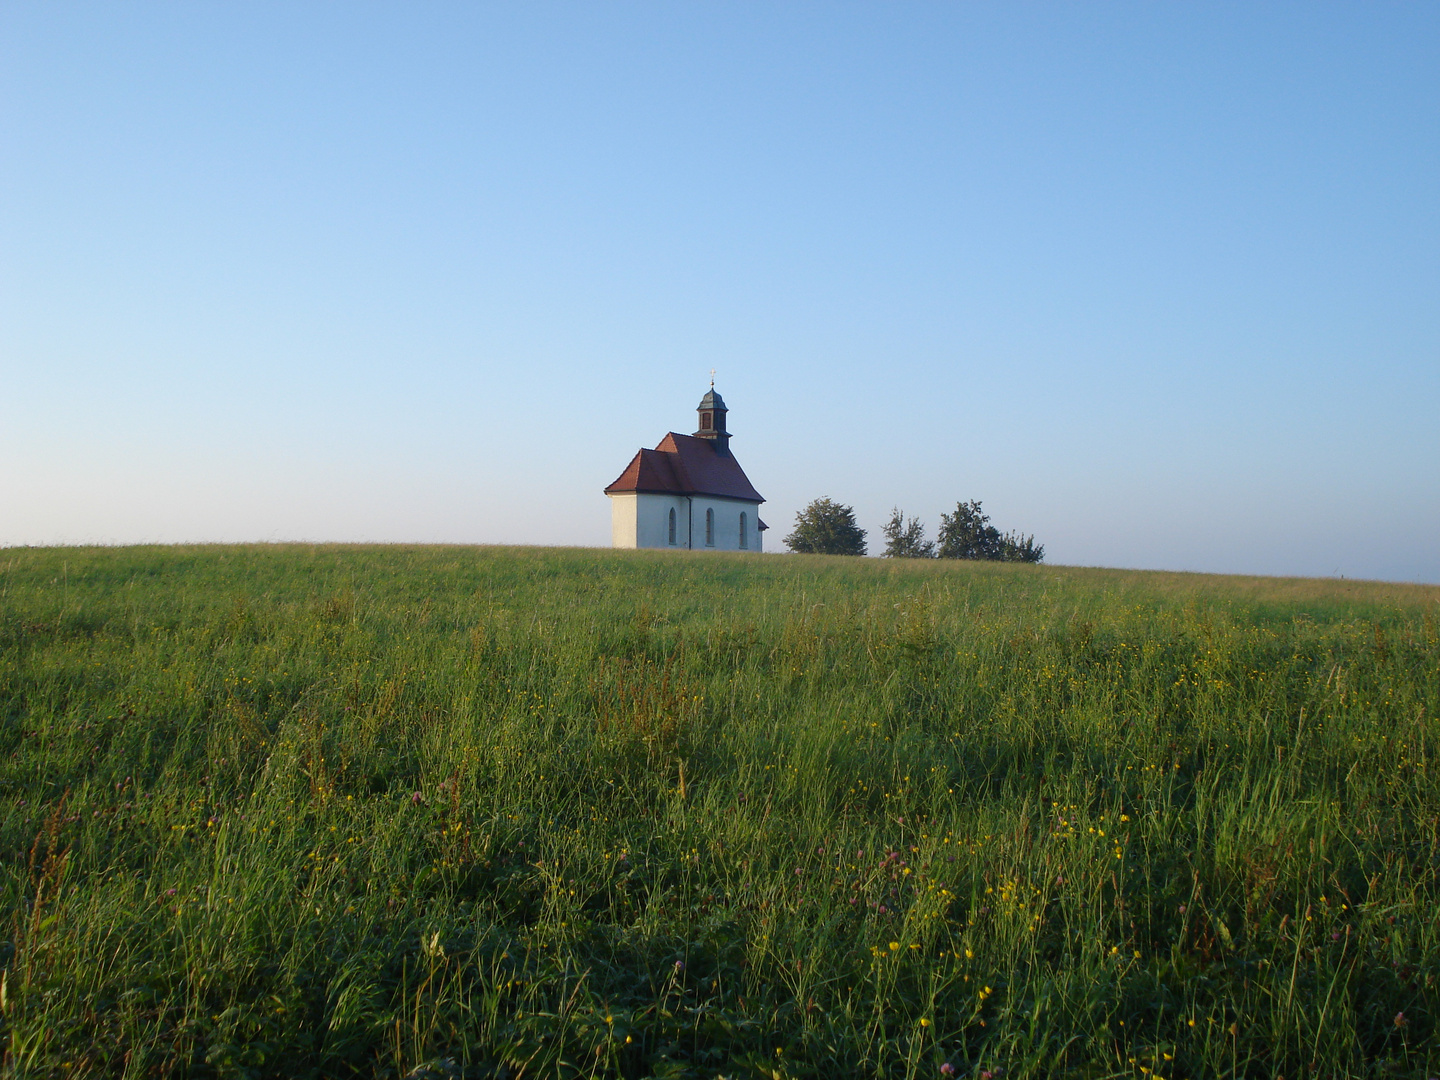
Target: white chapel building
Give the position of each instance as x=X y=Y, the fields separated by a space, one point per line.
x=689 y=492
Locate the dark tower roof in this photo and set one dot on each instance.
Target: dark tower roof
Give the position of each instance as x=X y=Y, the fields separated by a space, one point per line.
x=712 y=400
x=712 y=428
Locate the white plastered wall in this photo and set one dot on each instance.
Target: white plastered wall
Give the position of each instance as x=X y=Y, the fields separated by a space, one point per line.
x=622 y=520
x=644 y=521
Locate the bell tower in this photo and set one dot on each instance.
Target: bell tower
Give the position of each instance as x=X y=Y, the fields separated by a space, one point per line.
x=712 y=422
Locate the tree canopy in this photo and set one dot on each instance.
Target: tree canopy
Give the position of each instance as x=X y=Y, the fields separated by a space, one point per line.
x=827 y=528
x=968 y=534
x=906 y=539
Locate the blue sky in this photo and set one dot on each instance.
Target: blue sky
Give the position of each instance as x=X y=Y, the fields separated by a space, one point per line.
x=1159 y=284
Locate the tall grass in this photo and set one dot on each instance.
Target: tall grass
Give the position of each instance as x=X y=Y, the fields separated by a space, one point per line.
x=295 y=811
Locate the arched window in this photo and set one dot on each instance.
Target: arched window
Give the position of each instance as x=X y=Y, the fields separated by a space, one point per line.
x=709 y=528
x=672 y=525
x=744 y=540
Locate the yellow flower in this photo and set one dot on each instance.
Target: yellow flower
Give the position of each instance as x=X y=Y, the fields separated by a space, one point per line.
x=924 y=1022
x=894 y=946
x=969 y=955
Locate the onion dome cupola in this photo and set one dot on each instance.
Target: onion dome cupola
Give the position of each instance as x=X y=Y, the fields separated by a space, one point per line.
x=712 y=421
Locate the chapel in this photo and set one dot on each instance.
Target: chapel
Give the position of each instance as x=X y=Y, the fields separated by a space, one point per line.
x=689 y=492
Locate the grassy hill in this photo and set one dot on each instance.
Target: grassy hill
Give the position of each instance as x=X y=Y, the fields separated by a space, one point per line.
x=293 y=810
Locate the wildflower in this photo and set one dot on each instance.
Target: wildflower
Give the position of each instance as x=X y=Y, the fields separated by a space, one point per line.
x=1400 y=1020
x=894 y=946
x=924 y=1021
x=947 y=1069
x=679 y=965
x=417 y=798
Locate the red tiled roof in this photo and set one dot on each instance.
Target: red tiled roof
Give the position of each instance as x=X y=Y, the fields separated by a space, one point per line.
x=685 y=465
x=649 y=470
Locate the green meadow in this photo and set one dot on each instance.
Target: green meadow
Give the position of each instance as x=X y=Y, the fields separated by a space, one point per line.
x=294 y=811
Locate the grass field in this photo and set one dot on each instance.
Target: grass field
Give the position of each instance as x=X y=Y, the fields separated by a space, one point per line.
x=330 y=811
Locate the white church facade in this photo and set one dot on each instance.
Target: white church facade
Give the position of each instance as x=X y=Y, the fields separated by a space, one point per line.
x=689 y=492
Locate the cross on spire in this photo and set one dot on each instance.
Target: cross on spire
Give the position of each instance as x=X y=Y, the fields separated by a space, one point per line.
x=712 y=378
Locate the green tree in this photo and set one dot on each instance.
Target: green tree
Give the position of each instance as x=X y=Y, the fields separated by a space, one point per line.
x=968 y=534
x=827 y=528
x=906 y=539
x=1022 y=548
